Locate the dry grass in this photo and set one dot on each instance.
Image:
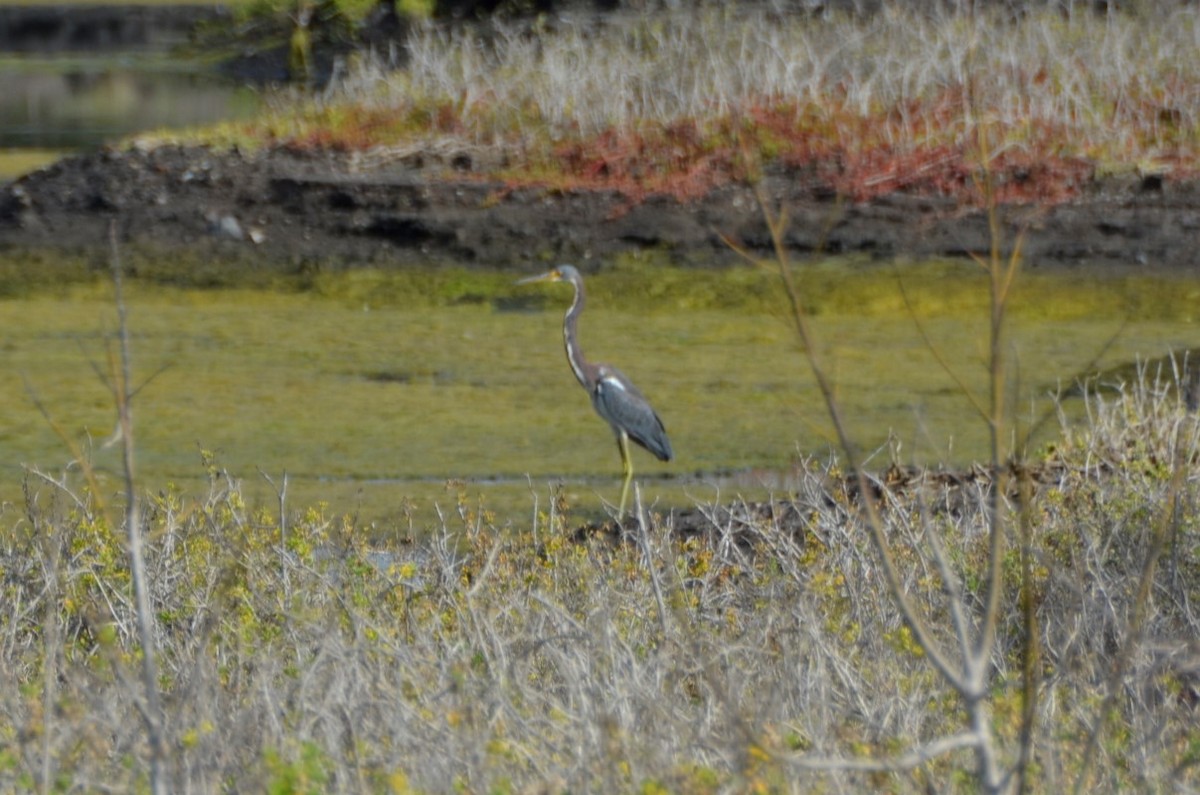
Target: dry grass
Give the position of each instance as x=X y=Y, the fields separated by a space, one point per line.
x=678 y=103
x=763 y=657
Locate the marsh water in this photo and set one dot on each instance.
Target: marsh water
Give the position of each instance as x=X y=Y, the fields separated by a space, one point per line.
x=73 y=102
x=375 y=404
x=59 y=99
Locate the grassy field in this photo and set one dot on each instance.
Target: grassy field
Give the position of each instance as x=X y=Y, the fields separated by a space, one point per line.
x=375 y=391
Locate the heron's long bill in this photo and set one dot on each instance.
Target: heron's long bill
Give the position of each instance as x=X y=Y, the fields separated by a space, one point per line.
x=548 y=276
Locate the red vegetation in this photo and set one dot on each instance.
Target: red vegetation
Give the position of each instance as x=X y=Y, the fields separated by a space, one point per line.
x=854 y=156
x=923 y=146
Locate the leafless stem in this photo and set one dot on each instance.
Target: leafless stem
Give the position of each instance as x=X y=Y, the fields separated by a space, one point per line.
x=776 y=222
x=281 y=498
x=651 y=569
x=152 y=713
x=969 y=676
x=52 y=565
x=907 y=761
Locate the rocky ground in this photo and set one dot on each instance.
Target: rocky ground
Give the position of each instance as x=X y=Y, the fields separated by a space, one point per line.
x=287 y=210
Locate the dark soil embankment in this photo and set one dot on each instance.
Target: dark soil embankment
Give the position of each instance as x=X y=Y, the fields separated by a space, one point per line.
x=286 y=210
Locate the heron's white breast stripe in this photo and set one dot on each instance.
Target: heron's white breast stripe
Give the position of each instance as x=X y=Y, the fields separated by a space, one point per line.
x=611 y=380
x=575 y=367
x=569 y=337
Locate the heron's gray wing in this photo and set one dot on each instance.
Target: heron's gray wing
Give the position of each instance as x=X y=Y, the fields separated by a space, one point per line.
x=620 y=403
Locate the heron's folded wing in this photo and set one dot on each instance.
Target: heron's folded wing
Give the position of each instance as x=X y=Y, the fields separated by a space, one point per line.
x=620 y=403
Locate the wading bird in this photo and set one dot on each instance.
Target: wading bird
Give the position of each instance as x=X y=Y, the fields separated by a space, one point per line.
x=614 y=396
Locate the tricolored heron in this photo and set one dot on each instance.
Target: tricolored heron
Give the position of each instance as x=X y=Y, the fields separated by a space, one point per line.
x=614 y=396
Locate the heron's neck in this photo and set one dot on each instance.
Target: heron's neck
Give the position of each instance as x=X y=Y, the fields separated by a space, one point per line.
x=579 y=365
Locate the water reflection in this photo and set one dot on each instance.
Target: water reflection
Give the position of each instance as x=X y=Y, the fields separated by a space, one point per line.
x=83 y=103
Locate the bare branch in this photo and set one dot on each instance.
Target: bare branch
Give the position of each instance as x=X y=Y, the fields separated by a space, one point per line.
x=898 y=764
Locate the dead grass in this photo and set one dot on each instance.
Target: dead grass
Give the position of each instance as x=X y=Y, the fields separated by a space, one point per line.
x=515 y=657
x=675 y=104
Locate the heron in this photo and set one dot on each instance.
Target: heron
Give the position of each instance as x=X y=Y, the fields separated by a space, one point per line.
x=614 y=397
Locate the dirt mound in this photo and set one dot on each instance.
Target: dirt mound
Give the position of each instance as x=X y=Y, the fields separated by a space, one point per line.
x=285 y=210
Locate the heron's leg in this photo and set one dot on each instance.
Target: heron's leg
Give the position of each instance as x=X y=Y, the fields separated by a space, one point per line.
x=626 y=471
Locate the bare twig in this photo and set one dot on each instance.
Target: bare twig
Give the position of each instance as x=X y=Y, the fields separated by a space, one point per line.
x=776 y=224
x=152 y=713
x=906 y=761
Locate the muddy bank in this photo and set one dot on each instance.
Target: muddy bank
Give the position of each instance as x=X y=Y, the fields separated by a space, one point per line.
x=285 y=211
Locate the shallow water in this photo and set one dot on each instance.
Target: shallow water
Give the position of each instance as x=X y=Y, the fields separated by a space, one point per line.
x=83 y=102
x=394 y=412
x=55 y=105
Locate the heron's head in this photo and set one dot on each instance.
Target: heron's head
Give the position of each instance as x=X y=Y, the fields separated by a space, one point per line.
x=563 y=273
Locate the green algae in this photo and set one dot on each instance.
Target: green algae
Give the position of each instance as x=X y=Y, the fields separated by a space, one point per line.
x=384 y=392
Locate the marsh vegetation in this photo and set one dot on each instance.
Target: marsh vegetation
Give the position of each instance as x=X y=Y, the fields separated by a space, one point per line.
x=296 y=655
x=383 y=394
x=1029 y=628
x=489 y=646
x=869 y=104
